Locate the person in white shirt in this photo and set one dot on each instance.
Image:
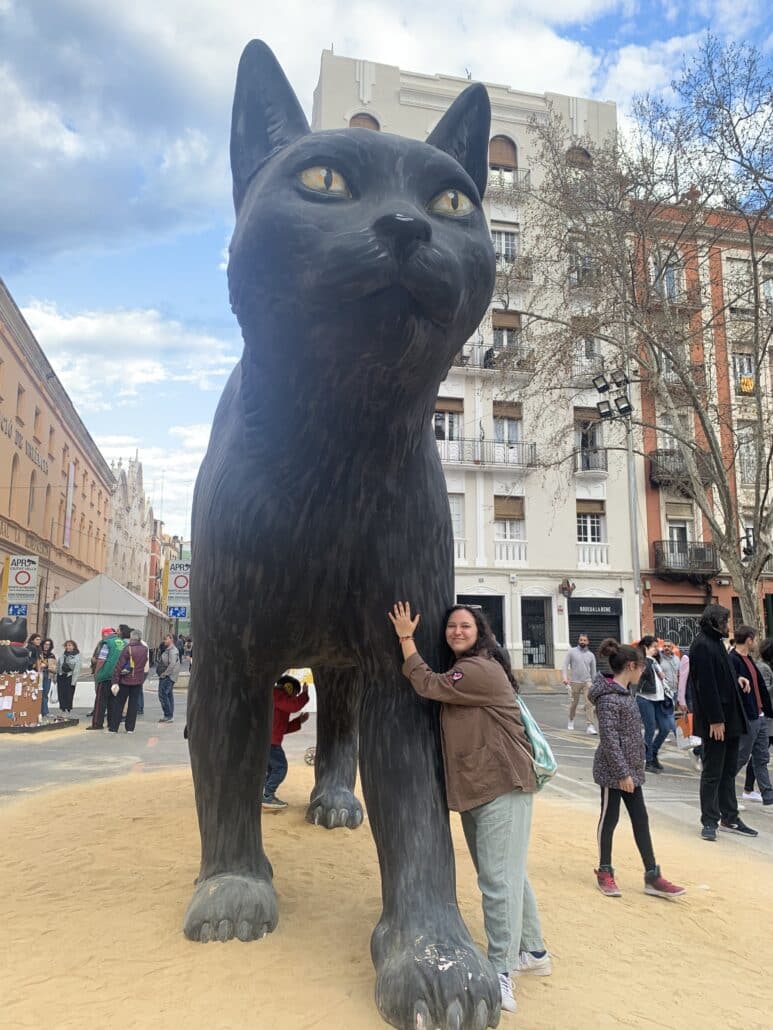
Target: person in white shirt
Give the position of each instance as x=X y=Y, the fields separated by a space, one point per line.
x=579 y=672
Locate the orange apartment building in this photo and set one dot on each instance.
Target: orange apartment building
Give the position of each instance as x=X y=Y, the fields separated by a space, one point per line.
x=55 y=486
x=682 y=571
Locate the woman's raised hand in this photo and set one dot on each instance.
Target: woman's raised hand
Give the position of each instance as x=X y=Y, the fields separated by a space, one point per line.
x=400 y=617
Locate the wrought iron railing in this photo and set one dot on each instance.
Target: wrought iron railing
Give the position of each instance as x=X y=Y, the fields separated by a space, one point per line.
x=487 y=452
x=687 y=557
x=590 y=460
x=668 y=467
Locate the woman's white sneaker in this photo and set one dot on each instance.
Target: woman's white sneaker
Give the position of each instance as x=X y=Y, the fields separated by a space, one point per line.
x=506 y=990
x=540 y=966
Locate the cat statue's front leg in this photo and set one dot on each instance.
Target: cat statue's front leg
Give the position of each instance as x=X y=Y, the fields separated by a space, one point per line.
x=332 y=801
x=429 y=972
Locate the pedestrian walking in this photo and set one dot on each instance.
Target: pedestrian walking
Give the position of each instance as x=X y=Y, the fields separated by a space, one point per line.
x=618 y=769
x=719 y=718
x=168 y=669
x=651 y=699
x=47 y=671
x=68 y=670
x=289 y=698
x=110 y=648
x=765 y=665
x=579 y=671
x=128 y=676
x=754 y=744
x=489 y=779
x=33 y=652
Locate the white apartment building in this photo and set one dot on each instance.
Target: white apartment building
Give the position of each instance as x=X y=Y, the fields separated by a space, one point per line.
x=543 y=545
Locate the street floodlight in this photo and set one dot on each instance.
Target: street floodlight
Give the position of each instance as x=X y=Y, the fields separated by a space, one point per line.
x=604 y=409
x=623 y=405
x=619 y=378
x=601 y=383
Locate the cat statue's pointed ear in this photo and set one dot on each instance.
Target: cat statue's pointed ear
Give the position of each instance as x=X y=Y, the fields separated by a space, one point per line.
x=266 y=115
x=463 y=133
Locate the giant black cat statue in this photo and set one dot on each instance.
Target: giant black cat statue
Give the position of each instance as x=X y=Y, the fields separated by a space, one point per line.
x=359 y=265
x=14 y=656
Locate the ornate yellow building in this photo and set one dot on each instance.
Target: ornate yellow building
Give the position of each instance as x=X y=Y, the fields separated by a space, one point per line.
x=55 y=486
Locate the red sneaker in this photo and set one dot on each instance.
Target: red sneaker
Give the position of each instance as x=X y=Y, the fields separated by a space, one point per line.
x=605 y=881
x=661 y=888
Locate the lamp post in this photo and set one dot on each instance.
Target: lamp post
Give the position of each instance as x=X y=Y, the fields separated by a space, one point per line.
x=617 y=407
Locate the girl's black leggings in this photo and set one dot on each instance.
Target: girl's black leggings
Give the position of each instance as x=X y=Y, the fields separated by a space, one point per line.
x=610 y=813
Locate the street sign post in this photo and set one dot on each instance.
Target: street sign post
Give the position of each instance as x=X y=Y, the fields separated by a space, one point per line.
x=20 y=577
x=175 y=612
x=17 y=610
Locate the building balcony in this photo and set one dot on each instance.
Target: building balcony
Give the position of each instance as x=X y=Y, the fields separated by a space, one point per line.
x=585 y=368
x=679 y=559
x=584 y=276
x=745 y=385
x=507 y=185
x=509 y=552
x=593 y=461
x=675 y=296
x=668 y=468
x=487 y=452
x=515 y=268
x=592 y=556
x=516 y=358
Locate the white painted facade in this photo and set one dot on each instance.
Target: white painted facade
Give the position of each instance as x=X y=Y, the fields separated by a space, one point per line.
x=491 y=463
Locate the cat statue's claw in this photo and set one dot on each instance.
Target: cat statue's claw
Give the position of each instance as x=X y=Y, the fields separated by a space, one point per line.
x=434 y=980
x=227 y=906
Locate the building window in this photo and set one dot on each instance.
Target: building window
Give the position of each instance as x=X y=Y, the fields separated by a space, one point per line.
x=456 y=504
x=578 y=157
x=2 y=366
x=31 y=500
x=448 y=425
x=588 y=441
x=506 y=240
x=747 y=455
x=13 y=485
x=51 y=441
x=667 y=276
x=36 y=426
x=503 y=161
x=20 y=404
x=364 y=121
x=743 y=373
x=509 y=521
x=591 y=524
x=508 y=430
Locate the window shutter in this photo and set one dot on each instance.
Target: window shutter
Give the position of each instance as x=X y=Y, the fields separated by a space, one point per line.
x=508 y=507
x=586 y=415
x=508 y=409
x=590 y=507
x=506 y=319
x=449 y=404
x=502 y=153
x=679 y=510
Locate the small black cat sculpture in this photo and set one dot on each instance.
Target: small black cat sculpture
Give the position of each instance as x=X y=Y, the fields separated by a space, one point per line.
x=14 y=656
x=359 y=265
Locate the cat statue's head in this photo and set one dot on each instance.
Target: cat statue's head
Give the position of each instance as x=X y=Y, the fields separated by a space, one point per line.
x=351 y=245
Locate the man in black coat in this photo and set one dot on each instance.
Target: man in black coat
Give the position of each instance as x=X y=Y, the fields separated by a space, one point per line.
x=754 y=744
x=720 y=720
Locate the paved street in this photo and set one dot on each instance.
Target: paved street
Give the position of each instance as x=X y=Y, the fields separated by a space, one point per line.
x=32 y=763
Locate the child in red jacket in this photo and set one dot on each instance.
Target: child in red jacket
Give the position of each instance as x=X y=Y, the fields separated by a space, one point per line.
x=289 y=697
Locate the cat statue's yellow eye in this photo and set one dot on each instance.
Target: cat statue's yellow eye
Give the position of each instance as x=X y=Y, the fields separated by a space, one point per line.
x=452 y=203
x=325 y=180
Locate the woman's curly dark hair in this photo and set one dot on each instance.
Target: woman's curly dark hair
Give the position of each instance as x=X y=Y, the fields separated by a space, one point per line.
x=485 y=644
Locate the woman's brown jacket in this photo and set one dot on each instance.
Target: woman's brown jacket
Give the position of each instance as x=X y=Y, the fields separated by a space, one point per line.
x=486 y=752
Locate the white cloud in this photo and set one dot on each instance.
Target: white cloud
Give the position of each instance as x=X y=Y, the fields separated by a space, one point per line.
x=168 y=472
x=104 y=357
x=646 y=69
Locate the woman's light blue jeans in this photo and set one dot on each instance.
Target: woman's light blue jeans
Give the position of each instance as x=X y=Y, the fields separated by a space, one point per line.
x=498 y=838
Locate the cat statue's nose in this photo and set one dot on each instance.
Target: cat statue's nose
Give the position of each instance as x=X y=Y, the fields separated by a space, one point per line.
x=400 y=230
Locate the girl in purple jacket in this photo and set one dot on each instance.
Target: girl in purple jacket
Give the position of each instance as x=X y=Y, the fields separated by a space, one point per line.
x=618 y=768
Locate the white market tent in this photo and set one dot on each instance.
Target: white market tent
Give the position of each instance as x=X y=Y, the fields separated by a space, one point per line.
x=82 y=613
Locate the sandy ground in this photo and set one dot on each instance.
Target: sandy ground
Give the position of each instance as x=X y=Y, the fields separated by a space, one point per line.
x=97 y=878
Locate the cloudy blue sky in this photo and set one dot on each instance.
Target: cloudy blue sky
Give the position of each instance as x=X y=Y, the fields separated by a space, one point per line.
x=115 y=204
